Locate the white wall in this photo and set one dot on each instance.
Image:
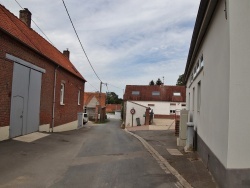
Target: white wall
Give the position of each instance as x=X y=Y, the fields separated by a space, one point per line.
x=140 y=111
x=239 y=124
x=162 y=108
x=212 y=118
x=4 y=133
x=117 y=115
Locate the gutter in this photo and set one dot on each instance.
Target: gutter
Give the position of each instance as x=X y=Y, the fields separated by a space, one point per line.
x=54 y=100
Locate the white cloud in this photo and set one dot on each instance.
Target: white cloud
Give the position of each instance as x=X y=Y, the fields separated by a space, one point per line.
x=128 y=42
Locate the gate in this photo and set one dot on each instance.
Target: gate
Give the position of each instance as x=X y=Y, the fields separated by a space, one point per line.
x=25 y=100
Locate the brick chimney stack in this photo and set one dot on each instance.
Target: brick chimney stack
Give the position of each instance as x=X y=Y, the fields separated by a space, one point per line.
x=25 y=16
x=66 y=53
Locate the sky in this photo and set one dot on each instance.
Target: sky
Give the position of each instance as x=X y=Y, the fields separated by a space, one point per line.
x=128 y=42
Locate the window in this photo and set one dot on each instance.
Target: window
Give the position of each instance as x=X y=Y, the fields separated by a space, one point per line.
x=177 y=94
x=62 y=94
x=172 y=104
x=155 y=93
x=201 y=60
x=79 y=97
x=151 y=104
x=189 y=101
x=197 y=67
x=172 y=111
x=135 y=92
x=199 y=96
x=193 y=99
x=183 y=104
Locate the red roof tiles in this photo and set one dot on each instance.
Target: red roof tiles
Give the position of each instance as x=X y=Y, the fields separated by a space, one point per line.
x=10 y=24
x=89 y=95
x=161 y=93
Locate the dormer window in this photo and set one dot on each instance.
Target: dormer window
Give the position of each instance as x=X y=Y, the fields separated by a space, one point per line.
x=135 y=92
x=177 y=94
x=155 y=93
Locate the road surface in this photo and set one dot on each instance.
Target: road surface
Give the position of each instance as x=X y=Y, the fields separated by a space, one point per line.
x=95 y=156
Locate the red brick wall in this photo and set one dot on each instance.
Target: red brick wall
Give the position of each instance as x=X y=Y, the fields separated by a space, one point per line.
x=113 y=107
x=6 y=70
x=63 y=114
x=159 y=116
x=68 y=111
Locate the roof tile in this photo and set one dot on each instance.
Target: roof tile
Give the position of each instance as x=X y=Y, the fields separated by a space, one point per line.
x=166 y=93
x=16 y=28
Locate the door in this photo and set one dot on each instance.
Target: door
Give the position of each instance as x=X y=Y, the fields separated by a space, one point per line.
x=34 y=101
x=25 y=101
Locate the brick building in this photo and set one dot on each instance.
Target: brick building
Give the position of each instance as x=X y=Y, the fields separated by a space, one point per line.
x=94 y=104
x=40 y=89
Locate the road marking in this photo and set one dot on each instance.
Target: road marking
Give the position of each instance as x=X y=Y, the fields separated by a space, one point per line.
x=162 y=161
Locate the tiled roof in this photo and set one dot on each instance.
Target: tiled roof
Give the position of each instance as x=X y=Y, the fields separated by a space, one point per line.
x=89 y=95
x=12 y=25
x=161 y=93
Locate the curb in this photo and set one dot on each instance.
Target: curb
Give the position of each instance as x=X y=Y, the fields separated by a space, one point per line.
x=162 y=161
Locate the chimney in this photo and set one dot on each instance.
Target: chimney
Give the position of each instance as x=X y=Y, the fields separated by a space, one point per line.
x=66 y=53
x=25 y=16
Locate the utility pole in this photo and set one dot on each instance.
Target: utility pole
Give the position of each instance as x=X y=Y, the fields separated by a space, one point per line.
x=100 y=107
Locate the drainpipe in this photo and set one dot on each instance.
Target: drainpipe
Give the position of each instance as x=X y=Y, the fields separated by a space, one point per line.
x=54 y=100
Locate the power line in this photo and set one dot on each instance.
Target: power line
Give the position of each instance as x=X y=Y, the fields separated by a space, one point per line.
x=36 y=25
x=80 y=41
x=115 y=86
x=93 y=86
x=49 y=39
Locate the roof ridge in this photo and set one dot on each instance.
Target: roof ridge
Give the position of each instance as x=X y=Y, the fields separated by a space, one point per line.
x=67 y=64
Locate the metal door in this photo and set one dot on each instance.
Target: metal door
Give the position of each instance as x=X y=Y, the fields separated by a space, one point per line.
x=34 y=101
x=19 y=99
x=25 y=102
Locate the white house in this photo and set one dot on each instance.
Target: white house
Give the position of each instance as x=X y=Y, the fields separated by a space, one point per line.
x=165 y=101
x=217 y=89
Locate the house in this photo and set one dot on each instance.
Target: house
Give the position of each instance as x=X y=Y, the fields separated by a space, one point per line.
x=113 y=107
x=40 y=88
x=94 y=103
x=163 y=101
x=216 y=76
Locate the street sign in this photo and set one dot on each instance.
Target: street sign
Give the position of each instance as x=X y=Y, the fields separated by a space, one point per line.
x=132 y=111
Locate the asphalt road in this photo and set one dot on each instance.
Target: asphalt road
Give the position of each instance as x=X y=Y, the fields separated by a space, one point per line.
x=95 y=156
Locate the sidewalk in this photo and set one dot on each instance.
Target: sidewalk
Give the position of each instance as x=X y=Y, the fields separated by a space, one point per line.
x=188 y=165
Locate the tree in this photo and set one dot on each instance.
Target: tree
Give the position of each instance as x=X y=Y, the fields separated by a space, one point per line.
x=151 y=83
x=180 y=81
x=159 y=82
x=112 y=98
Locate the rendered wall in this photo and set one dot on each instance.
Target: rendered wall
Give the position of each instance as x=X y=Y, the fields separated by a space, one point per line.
x=211 y=120
x=139 y=112
x=162 y=108
x=239 y=122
